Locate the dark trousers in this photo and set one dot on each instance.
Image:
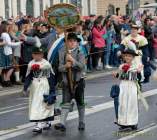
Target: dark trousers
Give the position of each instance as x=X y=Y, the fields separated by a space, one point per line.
x=78 y=95
x=116 y=103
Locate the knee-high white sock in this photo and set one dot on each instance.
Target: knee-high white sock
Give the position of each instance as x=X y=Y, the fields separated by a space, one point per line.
x=99 y=62
x=17 y=76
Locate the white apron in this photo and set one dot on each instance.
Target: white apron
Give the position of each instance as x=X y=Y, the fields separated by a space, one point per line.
x=37 y=108
x=128 y=103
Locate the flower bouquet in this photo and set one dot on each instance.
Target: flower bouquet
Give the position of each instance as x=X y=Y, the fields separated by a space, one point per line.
x=36 y=70
x=35 y=67
x=125 y=69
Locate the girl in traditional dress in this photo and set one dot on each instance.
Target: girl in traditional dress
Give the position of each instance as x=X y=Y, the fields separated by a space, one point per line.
x=40 y=78
x=128 y=96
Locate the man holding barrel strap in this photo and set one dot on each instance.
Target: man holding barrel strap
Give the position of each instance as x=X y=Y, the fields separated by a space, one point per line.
x=74 y=60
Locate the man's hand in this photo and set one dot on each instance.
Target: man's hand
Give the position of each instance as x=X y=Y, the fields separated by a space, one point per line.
x=22 y=37
x=70 y=58
x=68 y=64
x=140 y=68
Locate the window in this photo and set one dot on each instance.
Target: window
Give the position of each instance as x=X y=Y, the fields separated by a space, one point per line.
x=41 y=7
x=77 y=3
x=18 y=7
x=61 y=1
x=89 y=7
x=51 y=2
x=74 y=2
x=111 y=9
x=29 y=8
x=6 y=9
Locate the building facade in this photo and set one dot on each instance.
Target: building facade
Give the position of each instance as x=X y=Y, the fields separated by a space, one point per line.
x=105 y=7
x=35 y=8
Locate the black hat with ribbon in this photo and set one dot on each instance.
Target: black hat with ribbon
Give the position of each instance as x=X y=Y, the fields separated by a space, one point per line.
x=73 y=36
x=130 y=51
x=37 y=50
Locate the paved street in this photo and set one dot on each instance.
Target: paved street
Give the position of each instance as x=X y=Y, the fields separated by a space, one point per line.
x=14 y=124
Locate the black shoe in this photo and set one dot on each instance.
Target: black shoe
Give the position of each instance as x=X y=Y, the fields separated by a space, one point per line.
x=60 y=127
x=7 y=84
x=47 y=126
x=18 y=83
x=124 y=128
x=146 y=80
x=115 y=122
x=81 y=126
x=134 y=127
x=4 y=84
x=37 y=130
x=57 y=112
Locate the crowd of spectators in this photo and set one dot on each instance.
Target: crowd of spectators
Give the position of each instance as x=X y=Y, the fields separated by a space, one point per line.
x=100 y=42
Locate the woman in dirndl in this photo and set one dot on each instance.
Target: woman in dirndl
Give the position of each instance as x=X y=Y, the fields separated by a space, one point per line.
x=40 y=79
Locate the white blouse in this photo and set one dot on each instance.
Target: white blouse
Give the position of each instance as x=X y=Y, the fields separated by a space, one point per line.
x=8 y=47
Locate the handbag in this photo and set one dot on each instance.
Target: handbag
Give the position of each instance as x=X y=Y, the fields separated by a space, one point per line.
x=114 y=91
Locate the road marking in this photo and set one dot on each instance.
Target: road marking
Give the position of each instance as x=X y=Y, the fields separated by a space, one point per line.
x=8 y=107
x=23 y=129
x=11 y=92
x=94 y=96
x=25 y=107
x=12 y=110
x=20 y=127
x=98 y=75
x=13 y=135
x=146 y=94
x=19 y=90
x=140 y=133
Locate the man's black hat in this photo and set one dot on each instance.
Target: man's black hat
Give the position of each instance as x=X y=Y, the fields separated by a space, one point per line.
x=37 y=50
x=73 y=36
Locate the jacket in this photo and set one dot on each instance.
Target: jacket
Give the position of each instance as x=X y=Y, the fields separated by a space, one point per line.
x=98 y=39
x=77 y=69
